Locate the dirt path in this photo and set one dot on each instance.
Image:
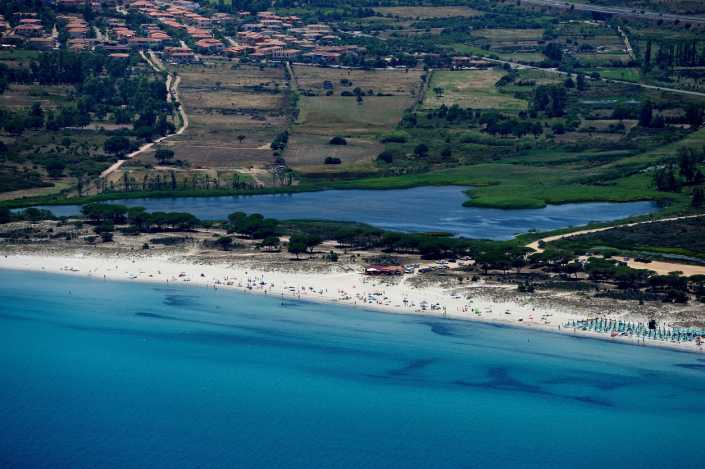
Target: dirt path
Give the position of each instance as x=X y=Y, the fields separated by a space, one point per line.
x=172 y=86
x=155 y=61
x=660 y=267
x=627 y=44
x=292 y=77
x=423 y=89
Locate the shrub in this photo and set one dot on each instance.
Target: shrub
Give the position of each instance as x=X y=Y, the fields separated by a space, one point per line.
x=395 y=137
x=117 y=145
x=421 y=150
x=164 y=155
x=385 y=157
x=5 y=215
x=338 y=140
x=332 y=257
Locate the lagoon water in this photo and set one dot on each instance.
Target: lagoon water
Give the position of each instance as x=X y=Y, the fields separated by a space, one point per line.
x=100 y=374
x=413 y=210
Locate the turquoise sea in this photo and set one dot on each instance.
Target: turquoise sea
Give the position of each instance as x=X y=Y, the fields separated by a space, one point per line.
x=100 y=375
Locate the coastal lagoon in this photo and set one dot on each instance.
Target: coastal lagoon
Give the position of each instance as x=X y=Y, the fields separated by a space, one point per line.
x=109 y=374
x=420 y=209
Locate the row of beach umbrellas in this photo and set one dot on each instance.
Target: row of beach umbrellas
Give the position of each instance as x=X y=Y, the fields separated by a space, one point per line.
x=639 y=329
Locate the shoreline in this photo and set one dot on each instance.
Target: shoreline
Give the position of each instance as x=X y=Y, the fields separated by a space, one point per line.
x=359 y=291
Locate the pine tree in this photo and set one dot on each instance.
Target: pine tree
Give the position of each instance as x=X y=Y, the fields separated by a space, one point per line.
x=646 y=114
x=647 y=57
x=698 y=197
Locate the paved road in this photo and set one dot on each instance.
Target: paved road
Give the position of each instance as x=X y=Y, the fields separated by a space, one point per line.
x=618 y=11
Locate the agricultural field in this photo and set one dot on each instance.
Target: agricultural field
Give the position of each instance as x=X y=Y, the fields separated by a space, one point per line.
x=516 y=44
x=518 y=57
x=592 y=43
x=424 y=12
x=532 y=77
x=594 y=59
x=328 y=107
x=225 y=103
x=470 y=89
x=319 y=80
x=503 y=35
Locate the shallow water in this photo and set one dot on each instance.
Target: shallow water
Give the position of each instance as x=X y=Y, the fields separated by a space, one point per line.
x=101 y=374
x=413 y=210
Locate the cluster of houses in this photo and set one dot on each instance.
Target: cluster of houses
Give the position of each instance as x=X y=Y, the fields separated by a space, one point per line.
x=273 y=37
x=30 y=32
x=178 y=29
x=179 y=16
x=264 y=36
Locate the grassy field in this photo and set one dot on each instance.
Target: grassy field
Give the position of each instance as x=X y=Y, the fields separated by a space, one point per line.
x=470 y=89
x=323 y=117
x=324 y=113
x=394 y=82
x=519 y=57
x=619 y=73
x=598 y=60
x=423 y=12
x=336 y=115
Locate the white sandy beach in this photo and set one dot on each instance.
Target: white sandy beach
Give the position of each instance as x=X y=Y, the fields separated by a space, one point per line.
x=343 y=287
